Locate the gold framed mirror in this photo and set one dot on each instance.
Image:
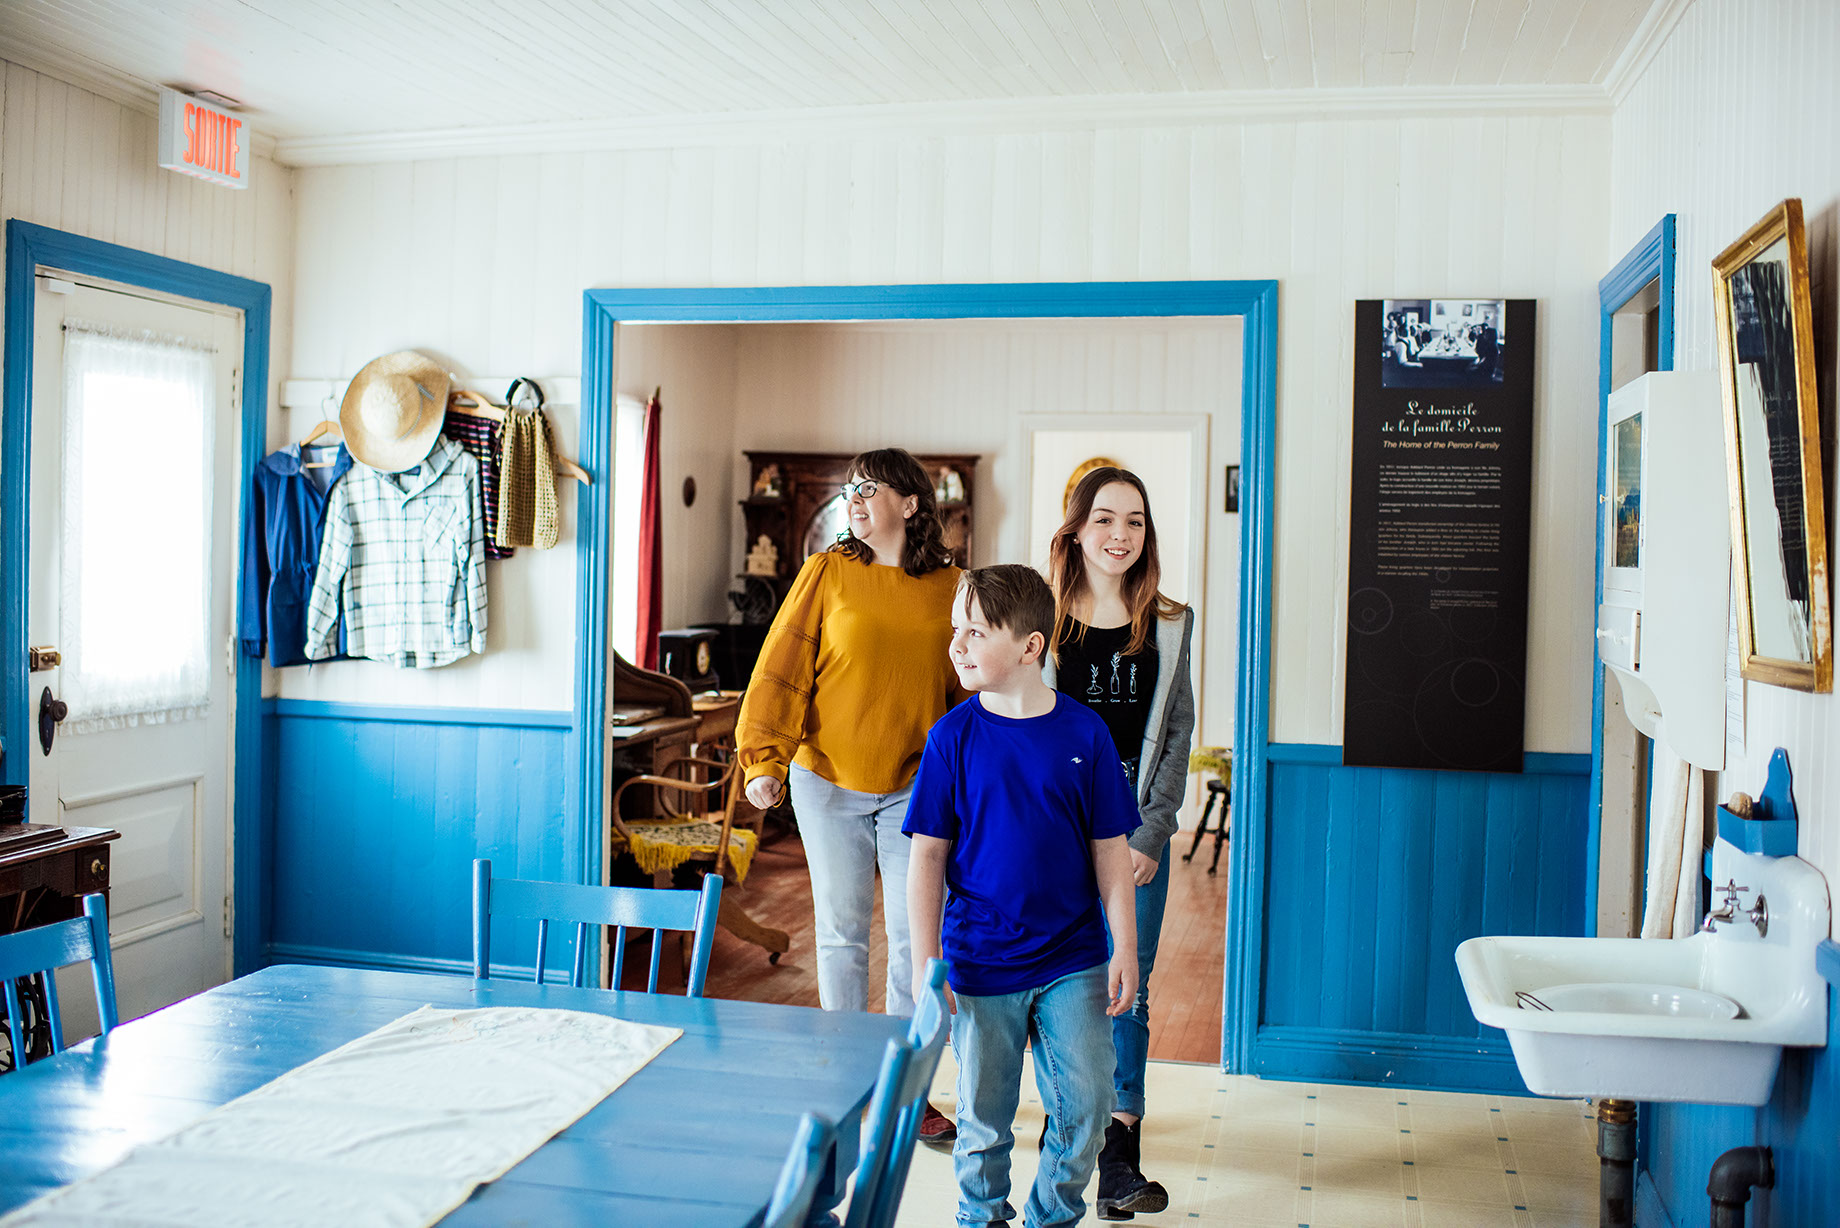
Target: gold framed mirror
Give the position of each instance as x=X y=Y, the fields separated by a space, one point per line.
x=1765 y=327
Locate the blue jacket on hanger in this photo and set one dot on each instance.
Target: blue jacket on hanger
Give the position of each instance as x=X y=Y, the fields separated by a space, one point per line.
x=282 y=525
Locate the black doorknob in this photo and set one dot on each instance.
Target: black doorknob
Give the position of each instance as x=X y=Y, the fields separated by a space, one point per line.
x=50 y=712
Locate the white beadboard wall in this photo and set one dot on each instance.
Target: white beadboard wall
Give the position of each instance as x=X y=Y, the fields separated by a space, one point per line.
x=484 y=259
x=959 y=386
x=1733 y=115
x=77 y=162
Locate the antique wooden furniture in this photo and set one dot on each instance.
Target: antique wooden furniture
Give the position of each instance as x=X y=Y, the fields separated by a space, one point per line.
x=796 y=503
x=617 y=908
x=666 y=807
x=39 y=952
x=686 y=1141
x=46 y=870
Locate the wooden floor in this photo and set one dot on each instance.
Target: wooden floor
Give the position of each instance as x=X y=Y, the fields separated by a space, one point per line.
x=1184 y=991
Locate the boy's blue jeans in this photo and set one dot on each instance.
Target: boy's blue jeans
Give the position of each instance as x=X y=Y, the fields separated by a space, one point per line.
x=1131 y=1030
x=1066 y=1024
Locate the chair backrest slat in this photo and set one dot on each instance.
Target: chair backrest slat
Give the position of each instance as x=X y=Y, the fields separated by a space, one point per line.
x=619 y=907
x=579 y=972
x=893 y=1122
x=619 y=955
x=41 y=951
x=798 y=1180
x=651 y=977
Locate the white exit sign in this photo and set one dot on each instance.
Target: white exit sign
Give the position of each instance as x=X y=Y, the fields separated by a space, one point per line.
x=202 y=140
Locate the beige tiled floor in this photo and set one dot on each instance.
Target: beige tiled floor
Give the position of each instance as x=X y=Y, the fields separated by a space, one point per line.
x=1241 y=1151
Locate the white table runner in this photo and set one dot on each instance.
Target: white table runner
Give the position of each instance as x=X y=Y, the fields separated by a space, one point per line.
x=393 y=1130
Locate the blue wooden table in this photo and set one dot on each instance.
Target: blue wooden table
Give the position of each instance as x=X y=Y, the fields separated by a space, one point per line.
x=695 y=1138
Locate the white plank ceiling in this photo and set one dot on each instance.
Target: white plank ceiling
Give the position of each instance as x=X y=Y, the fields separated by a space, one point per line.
x=311 y=70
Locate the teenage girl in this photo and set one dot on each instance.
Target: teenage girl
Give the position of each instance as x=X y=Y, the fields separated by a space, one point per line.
x=1122 y=648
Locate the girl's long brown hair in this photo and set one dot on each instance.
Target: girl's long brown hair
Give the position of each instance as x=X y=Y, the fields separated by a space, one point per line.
x=1067 y=566
x=925 y=547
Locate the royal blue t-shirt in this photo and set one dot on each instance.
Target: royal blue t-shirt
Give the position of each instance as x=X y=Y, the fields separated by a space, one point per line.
x=1021 y=801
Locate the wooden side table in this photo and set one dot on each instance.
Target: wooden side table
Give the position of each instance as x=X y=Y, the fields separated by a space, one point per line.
x=45 y=871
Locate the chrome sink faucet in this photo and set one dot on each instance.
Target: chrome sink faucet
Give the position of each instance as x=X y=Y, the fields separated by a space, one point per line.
x=1728 y=910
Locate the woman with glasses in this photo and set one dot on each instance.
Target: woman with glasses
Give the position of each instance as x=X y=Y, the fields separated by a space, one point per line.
x=1122 y=648
x=853 y=673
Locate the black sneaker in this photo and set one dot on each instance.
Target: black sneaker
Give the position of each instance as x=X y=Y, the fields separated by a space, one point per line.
x=1123 y=1188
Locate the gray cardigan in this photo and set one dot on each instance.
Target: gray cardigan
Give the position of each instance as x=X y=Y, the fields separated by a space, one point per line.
x=1162 y=771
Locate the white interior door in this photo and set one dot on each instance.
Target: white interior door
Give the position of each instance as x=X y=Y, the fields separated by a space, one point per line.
x=134 y=499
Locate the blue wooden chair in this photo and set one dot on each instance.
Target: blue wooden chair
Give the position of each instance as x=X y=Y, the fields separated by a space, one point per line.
x=46 y=948
x=798 y=1180
x=895 y=1110
x=620 y=907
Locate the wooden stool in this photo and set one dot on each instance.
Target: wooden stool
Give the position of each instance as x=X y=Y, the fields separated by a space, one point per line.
x=1223 y=793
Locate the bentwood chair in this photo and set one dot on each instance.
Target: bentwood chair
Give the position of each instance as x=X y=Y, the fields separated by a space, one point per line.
x=798 y=1180
x=893 y=1119
x=44 y=949
x=619 y=907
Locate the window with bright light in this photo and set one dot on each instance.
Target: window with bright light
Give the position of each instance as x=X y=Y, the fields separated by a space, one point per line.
x=134 y=612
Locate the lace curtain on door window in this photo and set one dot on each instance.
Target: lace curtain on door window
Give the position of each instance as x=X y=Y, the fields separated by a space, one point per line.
x=134 y=613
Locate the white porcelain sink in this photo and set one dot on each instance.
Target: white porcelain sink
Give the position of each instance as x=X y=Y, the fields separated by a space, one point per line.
x=1655 y=1001
x=1700 y=1020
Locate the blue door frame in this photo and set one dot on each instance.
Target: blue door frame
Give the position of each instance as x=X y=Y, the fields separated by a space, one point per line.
x=28 y=247
x=1649 y=260
x=1256 y=302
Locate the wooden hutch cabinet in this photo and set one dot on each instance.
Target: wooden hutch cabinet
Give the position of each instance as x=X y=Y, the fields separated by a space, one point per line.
x=795 y=502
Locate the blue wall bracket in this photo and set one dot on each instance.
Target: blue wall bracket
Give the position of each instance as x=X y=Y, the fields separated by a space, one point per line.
x=1778 y=799
x=1827 y=960
x=1771 y=827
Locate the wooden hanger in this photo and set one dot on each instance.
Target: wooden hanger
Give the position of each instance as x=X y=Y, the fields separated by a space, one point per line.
x=322 y=428
x=466 y=402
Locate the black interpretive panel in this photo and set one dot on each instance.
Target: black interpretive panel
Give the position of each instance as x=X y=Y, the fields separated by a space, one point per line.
x=1438 y=534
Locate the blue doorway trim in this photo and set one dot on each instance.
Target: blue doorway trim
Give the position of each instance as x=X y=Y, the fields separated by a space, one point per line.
x=1256 y=302
x=28 y=247
x=1650 y=260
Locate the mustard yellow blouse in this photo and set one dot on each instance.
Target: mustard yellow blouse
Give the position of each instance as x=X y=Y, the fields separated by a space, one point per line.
x=854 y=671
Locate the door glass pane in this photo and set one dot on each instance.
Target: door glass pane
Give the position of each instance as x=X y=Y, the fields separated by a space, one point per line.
x=136 y=538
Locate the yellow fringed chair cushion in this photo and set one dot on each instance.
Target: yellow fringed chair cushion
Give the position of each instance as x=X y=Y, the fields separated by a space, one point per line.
x=662 y=846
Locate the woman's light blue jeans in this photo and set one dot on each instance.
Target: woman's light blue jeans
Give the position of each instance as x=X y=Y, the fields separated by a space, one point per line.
x=1131 y=1030
x=847 y=835
x=1065 y=1026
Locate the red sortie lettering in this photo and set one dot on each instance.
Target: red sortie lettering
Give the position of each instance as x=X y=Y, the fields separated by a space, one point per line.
x=230 y=158
x=191 y=134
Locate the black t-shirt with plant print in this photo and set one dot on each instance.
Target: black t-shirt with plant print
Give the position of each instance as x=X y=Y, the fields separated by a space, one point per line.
x=1095 y=670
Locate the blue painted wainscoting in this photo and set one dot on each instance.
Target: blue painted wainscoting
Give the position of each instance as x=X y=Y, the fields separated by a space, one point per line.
x=1801 y=1124
x=1376 y=875
x=376 y=812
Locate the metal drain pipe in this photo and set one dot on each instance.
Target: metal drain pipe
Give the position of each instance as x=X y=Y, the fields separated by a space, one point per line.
x=1733 y=1175
x=1616 y=1156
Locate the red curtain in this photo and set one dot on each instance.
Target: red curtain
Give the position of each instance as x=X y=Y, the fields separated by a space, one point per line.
x=651 y=542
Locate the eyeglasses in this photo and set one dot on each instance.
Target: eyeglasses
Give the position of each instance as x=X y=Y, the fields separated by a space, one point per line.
x=865 y=488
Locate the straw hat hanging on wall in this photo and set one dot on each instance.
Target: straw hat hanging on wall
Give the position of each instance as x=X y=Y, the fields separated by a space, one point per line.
x=393 y=410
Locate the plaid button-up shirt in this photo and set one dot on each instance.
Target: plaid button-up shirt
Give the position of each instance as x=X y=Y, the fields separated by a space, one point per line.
x=403 y=560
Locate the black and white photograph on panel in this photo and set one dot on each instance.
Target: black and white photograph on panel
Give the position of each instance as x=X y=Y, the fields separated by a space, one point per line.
x=1443 y=342
x=1439 y=527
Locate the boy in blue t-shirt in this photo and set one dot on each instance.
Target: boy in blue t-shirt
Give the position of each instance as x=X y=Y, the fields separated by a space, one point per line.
x=1021 y=809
